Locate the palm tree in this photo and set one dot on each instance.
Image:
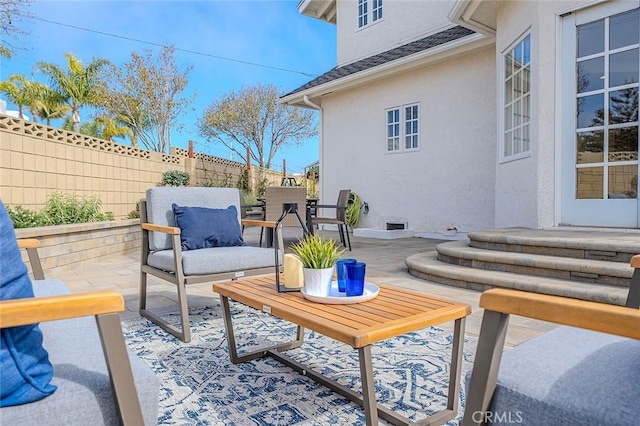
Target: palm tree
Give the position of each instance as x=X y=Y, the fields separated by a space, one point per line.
x=111 y=129
x=49 y=105
x=20 y=91
x=76 y=84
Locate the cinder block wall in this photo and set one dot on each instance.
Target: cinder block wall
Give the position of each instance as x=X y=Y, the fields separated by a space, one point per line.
x=38 y=160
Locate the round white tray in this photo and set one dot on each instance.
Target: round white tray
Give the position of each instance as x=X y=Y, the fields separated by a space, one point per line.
x=337 y=298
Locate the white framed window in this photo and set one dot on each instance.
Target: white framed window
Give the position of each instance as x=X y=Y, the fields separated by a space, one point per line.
x=516 y=100
x=369 y=12
x=403 y=128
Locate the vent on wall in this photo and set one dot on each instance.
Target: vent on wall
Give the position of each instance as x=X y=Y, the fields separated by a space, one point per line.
x=395 y=226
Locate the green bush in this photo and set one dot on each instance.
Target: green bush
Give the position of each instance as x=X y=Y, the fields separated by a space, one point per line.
x=60 y=210
x=135 y=214
x=65 y=209
x=175 y=178
x=24 y=218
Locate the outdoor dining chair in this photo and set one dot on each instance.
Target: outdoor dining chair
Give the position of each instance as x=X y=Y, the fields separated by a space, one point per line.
x=339 y=219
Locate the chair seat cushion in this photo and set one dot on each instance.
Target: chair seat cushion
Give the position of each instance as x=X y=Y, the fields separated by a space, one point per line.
x=84 y=395
x=570 y=376
x=202 y=227
x=215 y=260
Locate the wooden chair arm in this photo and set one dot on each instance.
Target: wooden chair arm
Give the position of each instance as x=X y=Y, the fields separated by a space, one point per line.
x=18 y=312
x=612 y=319
x=327 y=206
x=254 y=222
x=635 y=261
x=172 y=230
x=27 y=243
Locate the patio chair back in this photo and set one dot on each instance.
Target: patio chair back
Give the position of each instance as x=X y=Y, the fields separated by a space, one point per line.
x=276 y=196
x=160 y=199
x=343 y=200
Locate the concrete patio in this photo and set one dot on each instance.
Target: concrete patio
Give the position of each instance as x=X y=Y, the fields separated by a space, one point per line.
x=385 y=265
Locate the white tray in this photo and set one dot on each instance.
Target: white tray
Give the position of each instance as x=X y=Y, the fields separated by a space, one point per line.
x=337 y=298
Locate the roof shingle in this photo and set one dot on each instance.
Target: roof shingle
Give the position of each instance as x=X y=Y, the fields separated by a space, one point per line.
x=420 y=45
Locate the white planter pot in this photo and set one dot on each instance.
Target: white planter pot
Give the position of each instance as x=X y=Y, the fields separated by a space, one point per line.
x=317 y=282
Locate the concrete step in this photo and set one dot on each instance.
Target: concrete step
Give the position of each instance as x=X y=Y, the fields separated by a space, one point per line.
x=579 y=243
x=565 y=268
x=428 y=267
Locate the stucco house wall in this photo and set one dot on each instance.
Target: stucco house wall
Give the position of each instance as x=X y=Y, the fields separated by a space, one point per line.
x=403 y=21
x=450 y=181
x=527 y=189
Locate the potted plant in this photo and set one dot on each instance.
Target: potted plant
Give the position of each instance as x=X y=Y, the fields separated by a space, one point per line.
x=318 y=258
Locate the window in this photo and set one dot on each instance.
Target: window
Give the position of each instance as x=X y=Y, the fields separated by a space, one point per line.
x=517 y=100
x=408 y=132
x=363 y=12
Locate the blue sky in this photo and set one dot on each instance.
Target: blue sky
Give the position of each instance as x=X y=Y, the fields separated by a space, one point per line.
x=270 y=33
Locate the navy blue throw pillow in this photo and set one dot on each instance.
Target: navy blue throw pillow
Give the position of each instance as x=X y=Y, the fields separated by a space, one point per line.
x=25 y=370
x=202 y=227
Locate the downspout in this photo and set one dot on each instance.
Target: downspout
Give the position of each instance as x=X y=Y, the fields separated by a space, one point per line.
x=306 y=100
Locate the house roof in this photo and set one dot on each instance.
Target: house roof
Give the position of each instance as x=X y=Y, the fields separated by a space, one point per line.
x=408 y=49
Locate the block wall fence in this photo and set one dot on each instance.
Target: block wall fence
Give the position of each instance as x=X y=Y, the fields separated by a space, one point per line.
x=37 y=160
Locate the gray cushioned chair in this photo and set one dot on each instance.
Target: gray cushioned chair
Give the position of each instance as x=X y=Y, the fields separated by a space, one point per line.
x=162 y=255
x=100 y=381
x=586 y=372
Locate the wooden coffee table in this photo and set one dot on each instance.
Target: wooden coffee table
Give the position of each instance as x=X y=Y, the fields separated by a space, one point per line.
x=392 y=313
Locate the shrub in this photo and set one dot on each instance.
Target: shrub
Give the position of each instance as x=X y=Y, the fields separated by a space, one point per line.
x=65 y=209
x=175 y=178
x=24 y=218
x=135 y=214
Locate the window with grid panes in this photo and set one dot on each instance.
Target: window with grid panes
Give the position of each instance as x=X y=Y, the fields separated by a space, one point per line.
x=403 y=128
x=517 y=100
x=366 y=8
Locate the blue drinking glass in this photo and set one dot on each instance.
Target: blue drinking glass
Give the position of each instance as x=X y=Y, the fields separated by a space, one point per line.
x=342 y=273
x=355 y=278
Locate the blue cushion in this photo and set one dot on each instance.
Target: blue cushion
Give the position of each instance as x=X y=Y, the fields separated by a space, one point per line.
x=25 y=370
x=202 y=227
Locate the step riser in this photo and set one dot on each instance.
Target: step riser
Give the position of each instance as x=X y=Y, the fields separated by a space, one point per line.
x=451 y=282
x=539 y=272
x=555 y=251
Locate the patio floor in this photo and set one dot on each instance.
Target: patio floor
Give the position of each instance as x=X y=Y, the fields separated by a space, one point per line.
x=385 y=265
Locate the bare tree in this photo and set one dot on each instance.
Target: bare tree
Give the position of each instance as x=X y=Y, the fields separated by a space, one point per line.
x=252 y=118
x=145 y=95
x=11 y=12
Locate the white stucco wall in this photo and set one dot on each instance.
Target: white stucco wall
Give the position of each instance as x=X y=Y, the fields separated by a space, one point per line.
x=403 y=21
x=450 y=181
x=526 y=189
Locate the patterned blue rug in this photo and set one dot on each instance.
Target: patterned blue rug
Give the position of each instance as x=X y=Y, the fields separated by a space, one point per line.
x=200 y=385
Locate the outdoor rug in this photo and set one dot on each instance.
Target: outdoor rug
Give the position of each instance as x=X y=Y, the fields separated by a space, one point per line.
x=200 y=385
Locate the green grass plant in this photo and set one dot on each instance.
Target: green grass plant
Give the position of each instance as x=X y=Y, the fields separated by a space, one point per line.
x=316 y=252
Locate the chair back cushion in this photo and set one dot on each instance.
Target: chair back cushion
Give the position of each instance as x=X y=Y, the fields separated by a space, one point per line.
x=25 y=370
x=160 y=199
x=201 y=227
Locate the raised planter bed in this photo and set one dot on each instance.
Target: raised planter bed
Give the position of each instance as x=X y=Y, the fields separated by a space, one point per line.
x=69 y=246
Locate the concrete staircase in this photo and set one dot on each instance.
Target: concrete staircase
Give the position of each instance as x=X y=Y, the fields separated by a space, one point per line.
x=579 y=263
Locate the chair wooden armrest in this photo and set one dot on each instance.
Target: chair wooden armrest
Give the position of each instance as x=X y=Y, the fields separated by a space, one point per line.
x=612 y=319
x=254 y=222
x=328 y=206
x=19 y=312
x=28 y=243
x=32 y=245
x=172 y=230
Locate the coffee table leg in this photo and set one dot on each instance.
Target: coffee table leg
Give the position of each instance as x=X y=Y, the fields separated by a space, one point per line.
x=248 y=356
x=368 y=389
